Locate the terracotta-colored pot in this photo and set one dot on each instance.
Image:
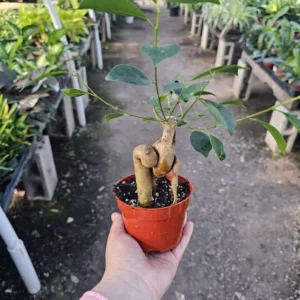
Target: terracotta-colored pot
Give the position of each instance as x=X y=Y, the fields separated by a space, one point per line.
x=279 y=73
x=268 y=64
x=155 y=229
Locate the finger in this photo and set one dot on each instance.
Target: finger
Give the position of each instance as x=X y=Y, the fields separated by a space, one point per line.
x=117 y=226
x=186 y=237
x=185 y=219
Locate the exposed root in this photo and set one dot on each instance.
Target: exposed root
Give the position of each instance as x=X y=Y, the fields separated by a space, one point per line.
x=144 y=159
x=174 y=181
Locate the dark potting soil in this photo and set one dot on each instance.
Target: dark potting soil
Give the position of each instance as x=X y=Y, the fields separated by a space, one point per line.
x=127 y=192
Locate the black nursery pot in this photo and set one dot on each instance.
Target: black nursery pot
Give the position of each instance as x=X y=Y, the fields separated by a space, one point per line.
x=174 y=11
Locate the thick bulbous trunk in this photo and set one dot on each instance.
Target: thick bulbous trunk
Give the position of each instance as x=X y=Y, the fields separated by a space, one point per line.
x=152 y=162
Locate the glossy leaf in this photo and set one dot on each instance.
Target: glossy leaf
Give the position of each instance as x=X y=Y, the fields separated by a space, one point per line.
x=118 y=7
x=175 y=87
x=293 y=119
x=232 y=69
x=73 y=92
x=191 y=90
x=113 y=116
x=159 y=54
x=218 y=147
x=198 y=1
x=127 y=74
x=201 y=142
x=29 y=30
x=234 y=102
x=56 y=35
x=276 y=135
x=222 y=115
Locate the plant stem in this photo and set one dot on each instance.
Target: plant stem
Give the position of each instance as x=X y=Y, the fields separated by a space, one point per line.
x=186 y=112
x=269 y=109
x=92 y=93
x=156 y=29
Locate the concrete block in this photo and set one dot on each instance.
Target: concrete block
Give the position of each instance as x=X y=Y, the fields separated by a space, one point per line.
x=40 y=177
x=83 y=75
x=240 y=81
x=205 y=37
x=197 y=21
x=225 y=52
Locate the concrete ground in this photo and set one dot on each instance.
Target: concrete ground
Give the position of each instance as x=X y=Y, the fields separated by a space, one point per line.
x=246 y=209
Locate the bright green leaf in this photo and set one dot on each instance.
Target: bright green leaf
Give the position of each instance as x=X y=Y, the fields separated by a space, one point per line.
x=222 y=115
x=175 y=77
x=232 y=69
x=118 y=7
x=159 y=54
x=218 y=147
x=113 y=116
x=73 y=92
x=191 y=90
x=293 y=119
x=162 y=98
x=276 y=135
x=173 y=87
x=127 y=74
x=153 y=101
x=234 y=102
x=3 y=53
x=55 y=36
x=201 y=142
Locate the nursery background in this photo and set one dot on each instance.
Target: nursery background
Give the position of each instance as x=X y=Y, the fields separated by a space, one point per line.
x=60 y=157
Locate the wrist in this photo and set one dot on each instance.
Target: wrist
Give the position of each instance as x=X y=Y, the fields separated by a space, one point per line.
x=125 y=286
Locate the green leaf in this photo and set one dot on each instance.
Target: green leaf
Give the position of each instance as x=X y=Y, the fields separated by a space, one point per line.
x=14 y=28
x=191 y=90
x=293 y=119
x=173 y=87
x=201 y=142
x=222 y=115
x=15 y=47
x=180 y=123
x=3 y=53
x=232 y=69
x=29 y=30
x=276 y=135
x=218 y=147
x=118 y=7
x=153 y=101
x=234 y=102
x=175 y=77
x=56 y=35
x=127 y=74
x=204 y=93
x=146 y=119
x=113 y=116
x=73 y=92
x=159 y=54
x=198 y=1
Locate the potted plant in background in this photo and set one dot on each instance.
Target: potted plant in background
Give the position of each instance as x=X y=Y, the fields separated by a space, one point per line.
x=153 y=201
x=174 y=8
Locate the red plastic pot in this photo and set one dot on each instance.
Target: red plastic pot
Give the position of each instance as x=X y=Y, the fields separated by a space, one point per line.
x=279 y=73
x=268 y=64
x=155 y=229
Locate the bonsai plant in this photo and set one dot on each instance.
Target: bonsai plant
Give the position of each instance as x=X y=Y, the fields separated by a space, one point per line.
x=153 y=201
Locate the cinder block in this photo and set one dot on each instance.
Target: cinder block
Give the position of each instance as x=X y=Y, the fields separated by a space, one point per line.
x=197 y=21
x=83 y=75
x=225 y=52
x=240 y=80
x=205 y=37
x=40 y=177
x=279 y=121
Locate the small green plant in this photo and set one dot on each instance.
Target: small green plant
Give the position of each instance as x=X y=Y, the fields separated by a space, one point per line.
x=14 y=137
x=181 y=103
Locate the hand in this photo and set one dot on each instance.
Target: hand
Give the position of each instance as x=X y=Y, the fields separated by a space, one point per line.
x=130 y=273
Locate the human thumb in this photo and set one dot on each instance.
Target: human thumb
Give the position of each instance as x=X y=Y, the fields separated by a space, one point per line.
x=117 y=226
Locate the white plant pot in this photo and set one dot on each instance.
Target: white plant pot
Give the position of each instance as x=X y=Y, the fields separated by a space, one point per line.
x=129 y=20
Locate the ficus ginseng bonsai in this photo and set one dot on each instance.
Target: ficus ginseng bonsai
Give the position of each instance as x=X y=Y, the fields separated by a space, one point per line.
x=172 y=108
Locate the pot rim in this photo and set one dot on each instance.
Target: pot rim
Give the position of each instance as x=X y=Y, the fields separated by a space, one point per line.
x=156 y=208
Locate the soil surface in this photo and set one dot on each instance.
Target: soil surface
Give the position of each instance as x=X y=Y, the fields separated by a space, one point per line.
x=127 y=192
x=246 y=209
